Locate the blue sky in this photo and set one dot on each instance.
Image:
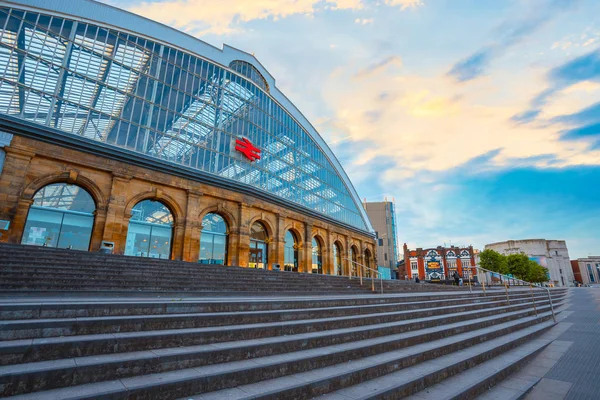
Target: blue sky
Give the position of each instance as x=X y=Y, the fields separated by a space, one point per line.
x=480 y=118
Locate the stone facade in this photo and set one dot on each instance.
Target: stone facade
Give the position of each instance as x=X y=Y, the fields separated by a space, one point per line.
x=118 y=186
x=552 y=254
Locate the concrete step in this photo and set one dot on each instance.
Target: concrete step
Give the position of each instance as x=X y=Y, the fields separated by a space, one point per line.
x=406 y=382
x=73 y=309
x=81 y=370
x=477 y=380
x=318 y=319
x=215 y=377
x=43 y=349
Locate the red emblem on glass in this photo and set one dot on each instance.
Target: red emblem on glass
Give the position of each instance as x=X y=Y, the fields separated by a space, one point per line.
x=245 y=147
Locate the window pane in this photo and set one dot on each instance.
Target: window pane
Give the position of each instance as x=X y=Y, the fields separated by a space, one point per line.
x=138 y=240
x=76 y=231
x=42 y=227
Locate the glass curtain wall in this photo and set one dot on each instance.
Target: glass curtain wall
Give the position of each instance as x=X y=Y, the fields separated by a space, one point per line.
x=104 y=85
x=61 y=215
x=213 y=240
x=259 y=247
x=337 y=259
x=290 y=252
x=317 y=256
x=150 y=230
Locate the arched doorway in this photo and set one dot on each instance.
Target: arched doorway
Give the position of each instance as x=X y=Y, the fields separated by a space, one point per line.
x=150 y=230
x=354 y=258
x=337 y=259
x=290 y=252
x=259 y=247
x=62 y=215
x=213 y=240
x=317 y=256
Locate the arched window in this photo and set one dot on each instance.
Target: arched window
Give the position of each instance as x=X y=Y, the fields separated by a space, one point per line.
x=213 y=240
x=317 y=257
x=259 y=247
x=368 y=272
x=290 y=252
x=249 y=71
x=337 y=259
x=354 y=258
x=61 y=215
x=150 y=230
x=2 y=157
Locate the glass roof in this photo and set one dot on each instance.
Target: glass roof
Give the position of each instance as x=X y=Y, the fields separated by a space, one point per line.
x=130 y=92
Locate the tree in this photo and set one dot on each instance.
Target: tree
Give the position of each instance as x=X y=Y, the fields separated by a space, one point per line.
x=537 y=273
x=493 y=261
x=518 y=265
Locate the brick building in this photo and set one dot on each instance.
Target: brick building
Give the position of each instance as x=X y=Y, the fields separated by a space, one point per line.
x=439 y=263
x=114 y=128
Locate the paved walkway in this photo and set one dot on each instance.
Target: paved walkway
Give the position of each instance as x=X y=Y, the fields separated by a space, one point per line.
x=577 y=372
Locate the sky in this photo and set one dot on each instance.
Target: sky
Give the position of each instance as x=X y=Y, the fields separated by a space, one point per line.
x=481 y=119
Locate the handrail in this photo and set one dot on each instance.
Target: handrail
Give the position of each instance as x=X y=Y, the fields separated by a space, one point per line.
x=530 y=284
x=360 y=275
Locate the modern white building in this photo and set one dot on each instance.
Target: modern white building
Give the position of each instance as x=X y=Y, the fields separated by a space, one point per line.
x=590 y=270
x=551 y=254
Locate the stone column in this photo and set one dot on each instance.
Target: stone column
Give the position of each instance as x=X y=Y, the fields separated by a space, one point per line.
x=12 y=183
x=307 y=250
x=117 y=223
x=192 y=227
x=328 y=254
x=178 y=238
x=98 y=229
x=240 y=238
x=361 y=259
x=279 y=242
x=347 y=257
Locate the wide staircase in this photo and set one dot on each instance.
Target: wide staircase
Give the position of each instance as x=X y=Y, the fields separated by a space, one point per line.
x=434 y=345
x=42 y=269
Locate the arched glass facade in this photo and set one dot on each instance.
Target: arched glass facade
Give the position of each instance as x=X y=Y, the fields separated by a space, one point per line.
x=317 y=256
x=290 y=252
x=144 y=97
x=259 y=246
x=61 y=215
x=213 y=240
x=150 y=230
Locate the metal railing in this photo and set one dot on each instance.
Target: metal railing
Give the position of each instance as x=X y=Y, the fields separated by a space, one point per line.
x=509 y=280
x=361 y=277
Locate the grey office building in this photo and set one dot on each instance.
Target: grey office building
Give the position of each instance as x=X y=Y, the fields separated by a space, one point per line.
x=383 y=220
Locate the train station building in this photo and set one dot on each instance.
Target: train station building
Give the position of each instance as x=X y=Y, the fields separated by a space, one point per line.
x=117 y=129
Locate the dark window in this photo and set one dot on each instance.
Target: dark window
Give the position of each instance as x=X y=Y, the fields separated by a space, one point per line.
x=381 y=242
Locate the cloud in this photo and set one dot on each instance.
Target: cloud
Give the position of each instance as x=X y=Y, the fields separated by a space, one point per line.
x=200 y=17
x=579 y=74
x=588 y=115
x=583 y=68
x=404 y=4
x=363 y=21
x=473 y=66
x=508 y=34
x=427 y=124
x=379 y=66
x=582 y=132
